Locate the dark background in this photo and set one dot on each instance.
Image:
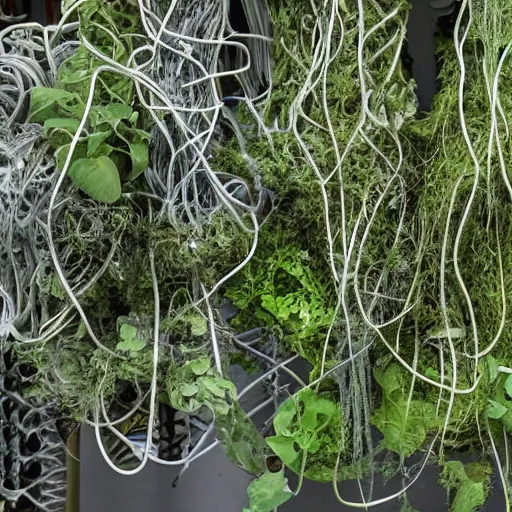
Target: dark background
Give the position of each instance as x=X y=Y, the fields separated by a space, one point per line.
x=214 y=484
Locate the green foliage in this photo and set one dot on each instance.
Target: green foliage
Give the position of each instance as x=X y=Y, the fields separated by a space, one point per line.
x=268 y=492
x=97 y=177
x=308 y=425
x=403 y=423
x=500 y=404
x=195 y=384
x=288 y=286
x=129 y=341
x=470 y=483
x=282 y=290
x=113 y=146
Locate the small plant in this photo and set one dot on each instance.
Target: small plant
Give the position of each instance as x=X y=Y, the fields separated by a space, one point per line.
x=112 y=148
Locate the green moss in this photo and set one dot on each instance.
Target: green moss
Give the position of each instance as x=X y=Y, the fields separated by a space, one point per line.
x=404 y=423
x=470 y=483
x=283 y=292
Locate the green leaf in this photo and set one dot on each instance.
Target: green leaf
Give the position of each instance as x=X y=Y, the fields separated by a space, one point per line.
x=188 y=390
x=199 y=366
x=110 y=114
x=268 y=492
x=95 y=140
x=492 y=365
x=134 y=117
x=130 y=342
x=403 y=426
x=127 y=332
x=508 y=386
x=47 y=103
x=389 y=379
x=61 y=123
x=285 y=416
x=60 y=130
x=317 y=411
x=228 y=386
x=470 y=483
x=240 y=438
x=131 y=345
x=432 y=373
x=98 y=178
x=284 y=448
x=211 y=385
x=62 y=153
x=140 y=159
x=198 y=324
x=495 y=410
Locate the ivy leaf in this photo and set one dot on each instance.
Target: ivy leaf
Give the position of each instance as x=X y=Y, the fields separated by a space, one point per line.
x=95 y=140
x=62 y=153
x=268 y=492
x=60 y=130
x=61 y=123
x=317 y=411
x=508 y=386
x=211 y=385
x=492 y=365
x=495 y=410
x=140 y=159
x=285 y=416
x=97 y=177
x=284 y=448
x=199 y=366
x=127 y=332
x=47 y=103
x=188 y=390
x=110 y=114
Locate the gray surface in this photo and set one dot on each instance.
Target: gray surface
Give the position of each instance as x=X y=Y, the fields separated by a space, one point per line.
x=215 y=485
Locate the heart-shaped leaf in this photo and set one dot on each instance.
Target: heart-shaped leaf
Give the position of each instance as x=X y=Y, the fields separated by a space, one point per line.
x=98 y=178
x=127 y=332
x=284 y=448
x=508 y=386
x=46 y=103
x=268 y=492
x=495 y=410
x=188 y=390
x=199 y=366
x=95 y=140
x=61 y=123
x=140 y=159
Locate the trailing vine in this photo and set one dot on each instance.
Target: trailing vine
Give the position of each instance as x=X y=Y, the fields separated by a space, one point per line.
x=180 y=202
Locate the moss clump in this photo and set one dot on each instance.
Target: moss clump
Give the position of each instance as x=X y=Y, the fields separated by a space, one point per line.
x=470 y=483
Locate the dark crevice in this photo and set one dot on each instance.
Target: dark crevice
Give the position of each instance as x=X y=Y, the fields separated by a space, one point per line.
x=428 y=20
